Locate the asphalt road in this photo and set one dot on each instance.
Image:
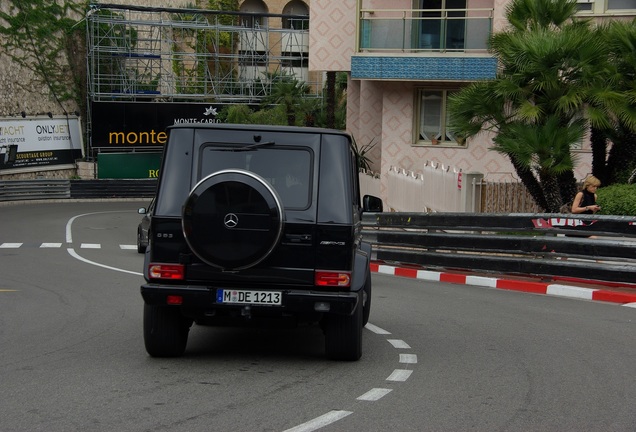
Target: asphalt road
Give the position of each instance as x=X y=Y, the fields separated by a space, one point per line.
x=437 y=357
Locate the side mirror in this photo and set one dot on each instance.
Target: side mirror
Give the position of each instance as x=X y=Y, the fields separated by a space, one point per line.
x=371 y=204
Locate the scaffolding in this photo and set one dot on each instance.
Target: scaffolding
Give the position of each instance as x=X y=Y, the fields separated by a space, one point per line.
x=174 y=55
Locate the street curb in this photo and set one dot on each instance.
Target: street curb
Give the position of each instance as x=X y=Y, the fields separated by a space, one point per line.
x=552 y=289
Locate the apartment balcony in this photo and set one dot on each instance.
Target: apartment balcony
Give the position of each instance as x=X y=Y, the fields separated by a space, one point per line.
x=423 y=44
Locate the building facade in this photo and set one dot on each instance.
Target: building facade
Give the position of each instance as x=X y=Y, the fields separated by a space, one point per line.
x=404 y=58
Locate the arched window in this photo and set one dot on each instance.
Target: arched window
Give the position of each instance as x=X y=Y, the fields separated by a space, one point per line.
x=296 y=7
x=253 y=7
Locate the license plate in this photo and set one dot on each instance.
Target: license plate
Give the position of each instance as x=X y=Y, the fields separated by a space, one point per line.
x=249 y=297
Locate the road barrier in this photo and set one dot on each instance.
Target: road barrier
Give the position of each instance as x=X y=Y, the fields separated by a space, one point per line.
x=525 y=244
x=20 y=190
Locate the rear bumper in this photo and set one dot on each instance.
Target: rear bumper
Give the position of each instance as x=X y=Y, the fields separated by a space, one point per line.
x=294 y=301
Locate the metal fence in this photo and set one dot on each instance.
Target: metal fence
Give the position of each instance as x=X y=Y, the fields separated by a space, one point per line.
x=529 y=244
x=24 y=190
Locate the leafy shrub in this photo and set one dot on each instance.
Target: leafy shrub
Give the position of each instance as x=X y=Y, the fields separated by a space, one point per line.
x=243 y=114
x=617 y=199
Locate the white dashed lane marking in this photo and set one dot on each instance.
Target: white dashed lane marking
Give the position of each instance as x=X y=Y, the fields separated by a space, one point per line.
x=408 y=358
x=374 y=394
x=397 y=343
x=90 y=246
x=320 y=422
x=400 y=375
x=376 y=329
x=50 y=245
x=10 y=245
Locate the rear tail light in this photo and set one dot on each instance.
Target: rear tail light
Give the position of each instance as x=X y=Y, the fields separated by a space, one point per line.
x=174 y=300
x=166 y=271
x=332 y=279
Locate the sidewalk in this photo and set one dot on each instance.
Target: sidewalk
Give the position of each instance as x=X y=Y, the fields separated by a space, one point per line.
x=624 y=294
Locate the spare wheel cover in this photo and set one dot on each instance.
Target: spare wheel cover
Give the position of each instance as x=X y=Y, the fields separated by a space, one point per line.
x=232 y=219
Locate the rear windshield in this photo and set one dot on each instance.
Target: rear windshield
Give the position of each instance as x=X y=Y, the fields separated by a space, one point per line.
x=288 y=170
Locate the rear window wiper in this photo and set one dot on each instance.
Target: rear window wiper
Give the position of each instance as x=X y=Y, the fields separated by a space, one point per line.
x=257 y=145
x=245 y=147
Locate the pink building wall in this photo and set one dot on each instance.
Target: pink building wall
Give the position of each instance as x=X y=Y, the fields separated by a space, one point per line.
x=384 y=111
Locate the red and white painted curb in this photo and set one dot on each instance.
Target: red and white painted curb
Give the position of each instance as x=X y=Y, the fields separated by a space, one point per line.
x=627 y=299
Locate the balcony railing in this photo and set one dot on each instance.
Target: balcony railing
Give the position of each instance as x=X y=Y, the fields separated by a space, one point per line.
x=424 y=30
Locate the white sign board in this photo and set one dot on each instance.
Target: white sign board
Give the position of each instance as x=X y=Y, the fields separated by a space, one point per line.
x=41 y=142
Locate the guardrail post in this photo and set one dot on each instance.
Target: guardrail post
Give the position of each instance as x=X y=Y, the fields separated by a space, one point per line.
x=471 y=192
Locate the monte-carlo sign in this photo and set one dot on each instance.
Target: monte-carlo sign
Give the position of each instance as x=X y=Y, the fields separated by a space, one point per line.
x=129 y=125
x=39 y=143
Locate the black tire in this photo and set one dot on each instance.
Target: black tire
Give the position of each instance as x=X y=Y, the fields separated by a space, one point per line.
x=343 y=335
x=366 y=311
x=232 y=219
x=165 y=331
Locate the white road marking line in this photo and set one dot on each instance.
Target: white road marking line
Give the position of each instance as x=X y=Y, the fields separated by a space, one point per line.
x=374 y=394
x=72 y=252
x=69 y=224
x=631 y=305
x=10 y=245
x=376 y=330
x=319 y=422
x=90 y=246
x=408 y=358
x=398 y=343
x=400 y=375
x=51 y=245
x=128 y=247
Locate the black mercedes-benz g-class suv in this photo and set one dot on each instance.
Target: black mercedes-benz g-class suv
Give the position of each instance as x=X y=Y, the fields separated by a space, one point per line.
x=257 y=223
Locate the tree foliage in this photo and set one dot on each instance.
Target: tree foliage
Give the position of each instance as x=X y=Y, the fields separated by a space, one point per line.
x=556 y=78
x=41 y=36
x=614 y=143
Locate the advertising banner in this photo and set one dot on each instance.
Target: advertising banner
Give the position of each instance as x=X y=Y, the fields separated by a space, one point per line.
x=36 y=143
x=128 y=125
x=128 y=165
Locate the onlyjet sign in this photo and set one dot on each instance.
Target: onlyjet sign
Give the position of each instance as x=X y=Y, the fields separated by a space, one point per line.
x=128 y=125
x=39 y=143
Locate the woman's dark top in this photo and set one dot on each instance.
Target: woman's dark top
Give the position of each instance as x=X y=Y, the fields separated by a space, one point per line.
x=588 y=199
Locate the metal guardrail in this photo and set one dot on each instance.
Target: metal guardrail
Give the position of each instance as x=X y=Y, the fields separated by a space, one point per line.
x=18 y=190
x=111 y=188
x=526 y=244
x=42 y=189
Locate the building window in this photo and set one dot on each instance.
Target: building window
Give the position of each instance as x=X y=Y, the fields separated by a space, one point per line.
x=432 y=125
x=621 y=4
x=442 y=24
x=585 y=5
x=296 y=7
x=253 y=21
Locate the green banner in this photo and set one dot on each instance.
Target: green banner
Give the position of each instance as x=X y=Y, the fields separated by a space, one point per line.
x=128 y=165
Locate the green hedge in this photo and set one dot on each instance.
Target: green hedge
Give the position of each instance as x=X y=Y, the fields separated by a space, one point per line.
x=618 y=199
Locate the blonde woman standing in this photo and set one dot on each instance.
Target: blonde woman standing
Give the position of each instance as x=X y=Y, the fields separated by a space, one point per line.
x=585 y=200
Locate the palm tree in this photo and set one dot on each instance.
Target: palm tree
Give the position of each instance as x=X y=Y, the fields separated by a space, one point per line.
x=289 y=92
x=551 y=66
x=615 y=163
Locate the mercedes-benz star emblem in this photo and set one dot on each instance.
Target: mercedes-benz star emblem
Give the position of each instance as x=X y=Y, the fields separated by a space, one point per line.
x=230 y=220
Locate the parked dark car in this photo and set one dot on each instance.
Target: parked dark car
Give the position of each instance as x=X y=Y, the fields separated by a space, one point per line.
x=144 y=226
x=254 y=224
